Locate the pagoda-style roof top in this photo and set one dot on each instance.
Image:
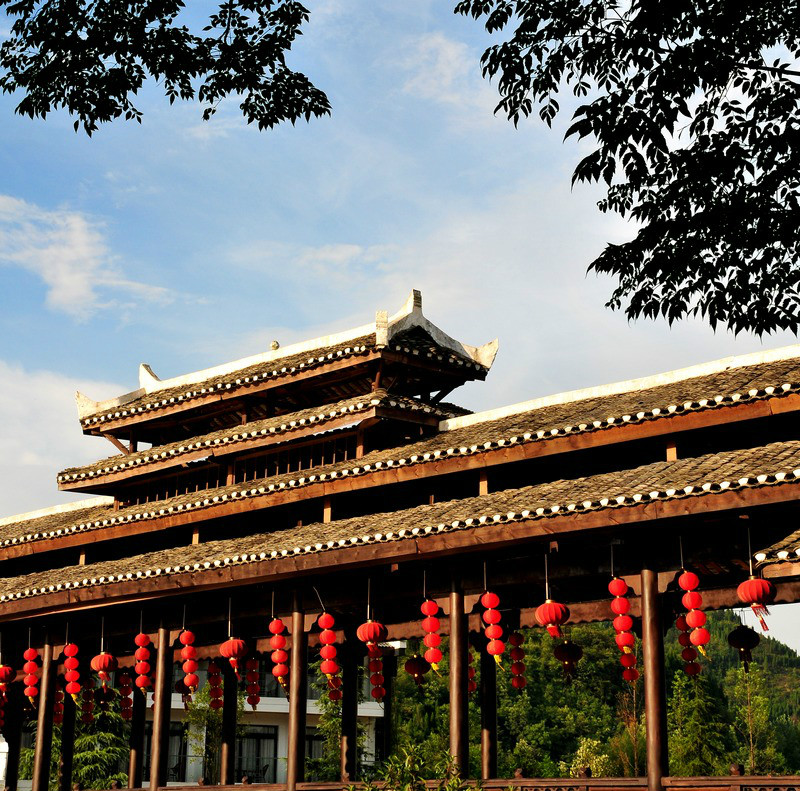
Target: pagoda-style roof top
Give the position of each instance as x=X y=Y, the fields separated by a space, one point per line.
x=445 y=361
x=259 y=433
x=736 y=388
x=774 y=467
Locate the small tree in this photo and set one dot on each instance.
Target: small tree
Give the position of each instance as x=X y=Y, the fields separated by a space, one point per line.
x=756 y=736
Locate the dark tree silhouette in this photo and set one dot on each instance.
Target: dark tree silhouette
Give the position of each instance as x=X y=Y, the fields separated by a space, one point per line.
x=695 y=111
x=93 y=56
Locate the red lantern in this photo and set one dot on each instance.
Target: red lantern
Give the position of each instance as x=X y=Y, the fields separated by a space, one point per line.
x=234 y=649
x=72 y=674
x=568 y=653
x=618 y=587
x=688 y=581
x=758 y=593
x=104 y=664
x=372 y=632
x=744 y=640
x=552 y=615
x=7 y=675
x=430 y=625
x=417 y=667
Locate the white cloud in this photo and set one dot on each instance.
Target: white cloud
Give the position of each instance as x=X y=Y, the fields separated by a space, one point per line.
x=447 y=72
x=41 y=435
x=68 y=251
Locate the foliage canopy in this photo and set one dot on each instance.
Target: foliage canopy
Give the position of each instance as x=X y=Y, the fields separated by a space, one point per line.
x=92 y=58
x=694 y=110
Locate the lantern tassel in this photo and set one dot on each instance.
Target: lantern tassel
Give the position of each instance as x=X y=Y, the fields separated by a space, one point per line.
x=760 y=610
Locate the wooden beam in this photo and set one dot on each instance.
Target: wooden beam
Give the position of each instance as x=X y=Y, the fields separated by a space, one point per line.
x=136 y=741
x=414 y=472
x=459 y=723
x=655 y=703
x=230 y=693
x=488 y=700
x=159 y=744
x=351 y=662
x=326 y=510
x=66 y=759
x=482 y=539
x=483 y=483
x=44 y=722
x=117 y=444
x=12 y=732
x=672 y=451
x=295 y=762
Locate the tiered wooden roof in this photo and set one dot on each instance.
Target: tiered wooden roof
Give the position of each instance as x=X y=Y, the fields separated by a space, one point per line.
x=577 y=463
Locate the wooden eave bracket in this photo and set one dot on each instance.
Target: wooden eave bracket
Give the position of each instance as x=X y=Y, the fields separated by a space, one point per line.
x=117 y=443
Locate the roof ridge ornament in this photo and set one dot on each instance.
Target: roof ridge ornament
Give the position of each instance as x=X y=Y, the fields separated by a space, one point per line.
x=147 y=379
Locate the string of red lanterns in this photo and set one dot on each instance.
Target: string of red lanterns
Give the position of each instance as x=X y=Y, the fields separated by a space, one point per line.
x=58 y=707
x=623 y=624
x=71 y=672
x=432 y=639
x=280 y=656
x=371 y=633
x=689 y=654
x=189 y=656
x=31 y=668
x=142 y=666
x=214 y=685
x=7 y=675
x=569 y=654
x=87 y=701
x=493 y=631
x=126 y=696
x=253 y=687
x=329 y=667
x=518 y=680
x=695 y=617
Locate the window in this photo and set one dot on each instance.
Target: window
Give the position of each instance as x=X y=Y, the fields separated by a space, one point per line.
x=257 y=754
x=176 y=752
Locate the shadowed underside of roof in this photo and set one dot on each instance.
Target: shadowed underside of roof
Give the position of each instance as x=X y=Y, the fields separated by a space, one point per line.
x=774 y=465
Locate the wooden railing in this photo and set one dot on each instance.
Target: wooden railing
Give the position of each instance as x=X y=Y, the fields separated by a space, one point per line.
x=718 y=783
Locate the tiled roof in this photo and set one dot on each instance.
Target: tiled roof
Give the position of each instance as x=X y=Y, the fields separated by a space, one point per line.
x=718 y=390
x=242 y=378
x=283 y=425
x=787 y=549
x=777 y=464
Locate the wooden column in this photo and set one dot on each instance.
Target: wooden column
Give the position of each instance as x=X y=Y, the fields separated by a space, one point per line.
x=159 y=744
x=227 y=758
x=44 y=722
x=654 y=684
x=351 y=656
x=390 y=676
x=295 y=763
x=13 y=733
x=136 y=742
x=67 y=744
x=459 y=734
x=488 y=693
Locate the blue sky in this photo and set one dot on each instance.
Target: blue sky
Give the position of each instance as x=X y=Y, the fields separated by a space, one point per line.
x=184 y=244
